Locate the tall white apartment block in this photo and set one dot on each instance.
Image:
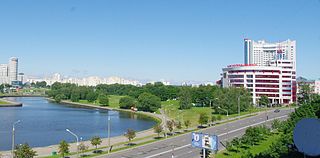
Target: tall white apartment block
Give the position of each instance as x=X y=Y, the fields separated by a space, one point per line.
x=9 y=72
x=4 y=73
x=13 y=69
x=262 y=52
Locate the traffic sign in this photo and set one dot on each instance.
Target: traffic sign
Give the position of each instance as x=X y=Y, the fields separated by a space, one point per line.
x=204 y=141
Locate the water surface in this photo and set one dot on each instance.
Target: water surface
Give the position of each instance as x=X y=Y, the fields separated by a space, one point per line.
x=44 y=123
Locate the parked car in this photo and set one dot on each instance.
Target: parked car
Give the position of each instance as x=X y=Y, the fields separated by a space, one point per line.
x=277 y=110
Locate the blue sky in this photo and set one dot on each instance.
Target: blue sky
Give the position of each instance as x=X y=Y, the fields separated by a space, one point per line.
x=152 y=39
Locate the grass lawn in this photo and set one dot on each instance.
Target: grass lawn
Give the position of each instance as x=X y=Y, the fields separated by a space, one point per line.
x=3 y=102
x=171 y=109
x=262 y=146
x=113 y=101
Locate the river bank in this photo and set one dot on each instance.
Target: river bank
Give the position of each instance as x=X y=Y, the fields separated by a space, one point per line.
x=47 y=150
x=156 y=117
x=8 y=103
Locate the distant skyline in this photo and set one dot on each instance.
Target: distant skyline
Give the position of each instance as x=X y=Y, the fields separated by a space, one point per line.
x=179 y=40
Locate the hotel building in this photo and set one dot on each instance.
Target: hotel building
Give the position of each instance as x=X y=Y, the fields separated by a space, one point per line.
x=262 y=52
x=267 y=71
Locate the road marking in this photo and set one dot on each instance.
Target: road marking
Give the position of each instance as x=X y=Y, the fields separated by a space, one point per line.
x=181 y=147
x=252 y=125
x=178 y=148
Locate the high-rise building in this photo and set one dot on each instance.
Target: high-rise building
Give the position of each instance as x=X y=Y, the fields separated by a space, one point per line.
x=269 y=69
x=21 y=77
x=4 y=73
x=13 y=69
x=262 y=52
x=9 y=72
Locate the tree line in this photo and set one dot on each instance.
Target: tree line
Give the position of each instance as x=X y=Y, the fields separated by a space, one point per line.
x=149 y=96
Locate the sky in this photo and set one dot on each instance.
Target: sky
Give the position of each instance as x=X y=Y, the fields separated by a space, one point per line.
x=177 y=40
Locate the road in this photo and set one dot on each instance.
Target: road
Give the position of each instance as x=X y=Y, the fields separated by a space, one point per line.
x=180 y=146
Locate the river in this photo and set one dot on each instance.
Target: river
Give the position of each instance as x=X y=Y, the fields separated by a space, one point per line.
x=44 y=123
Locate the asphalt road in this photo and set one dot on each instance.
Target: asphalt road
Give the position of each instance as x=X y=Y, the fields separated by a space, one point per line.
x=180 y=146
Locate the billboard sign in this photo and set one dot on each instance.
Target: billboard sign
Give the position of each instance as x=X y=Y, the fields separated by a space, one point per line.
x=204 y=141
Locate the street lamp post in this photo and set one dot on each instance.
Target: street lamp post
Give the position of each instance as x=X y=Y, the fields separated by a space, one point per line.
x=165 y=122
x=239 y=106
x=76 y=139
x=13 y=135
x=109 y=131
x=227 y=119
x=172 y=154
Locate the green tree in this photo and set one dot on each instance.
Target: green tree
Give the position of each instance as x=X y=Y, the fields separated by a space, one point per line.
x=236 y=143
x=187 y=123
x=103 y=99
x=82 y=147
x=227 y=98
x=91 y=96
x=253 y=135
x=126 y=102
x=41 y=84
x=213 y=119
x=24 y=151
x=158 y=129
x=148 y=102
x=178 y=124
x=185 y=98
x=247 y=154
x=170 y=125
x=219 y=118
x=130 y=134
x=75 y=96
x=95 y=141
x=203 y=119
x=264 y=101
x=276 y=124
x=304 y=95
x=63 y=148
x=203 y=94
x=2 y=88
x=229 y=146
x=58 y=98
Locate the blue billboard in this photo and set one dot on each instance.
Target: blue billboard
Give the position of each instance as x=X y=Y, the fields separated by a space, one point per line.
x=204 y=141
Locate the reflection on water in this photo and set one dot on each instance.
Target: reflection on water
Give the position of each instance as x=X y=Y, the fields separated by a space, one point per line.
x=43 y=123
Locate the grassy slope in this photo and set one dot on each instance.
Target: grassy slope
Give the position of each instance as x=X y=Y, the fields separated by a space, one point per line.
x=172 y=110
x=113 y=101
x=264 y=145
x=3 y=102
